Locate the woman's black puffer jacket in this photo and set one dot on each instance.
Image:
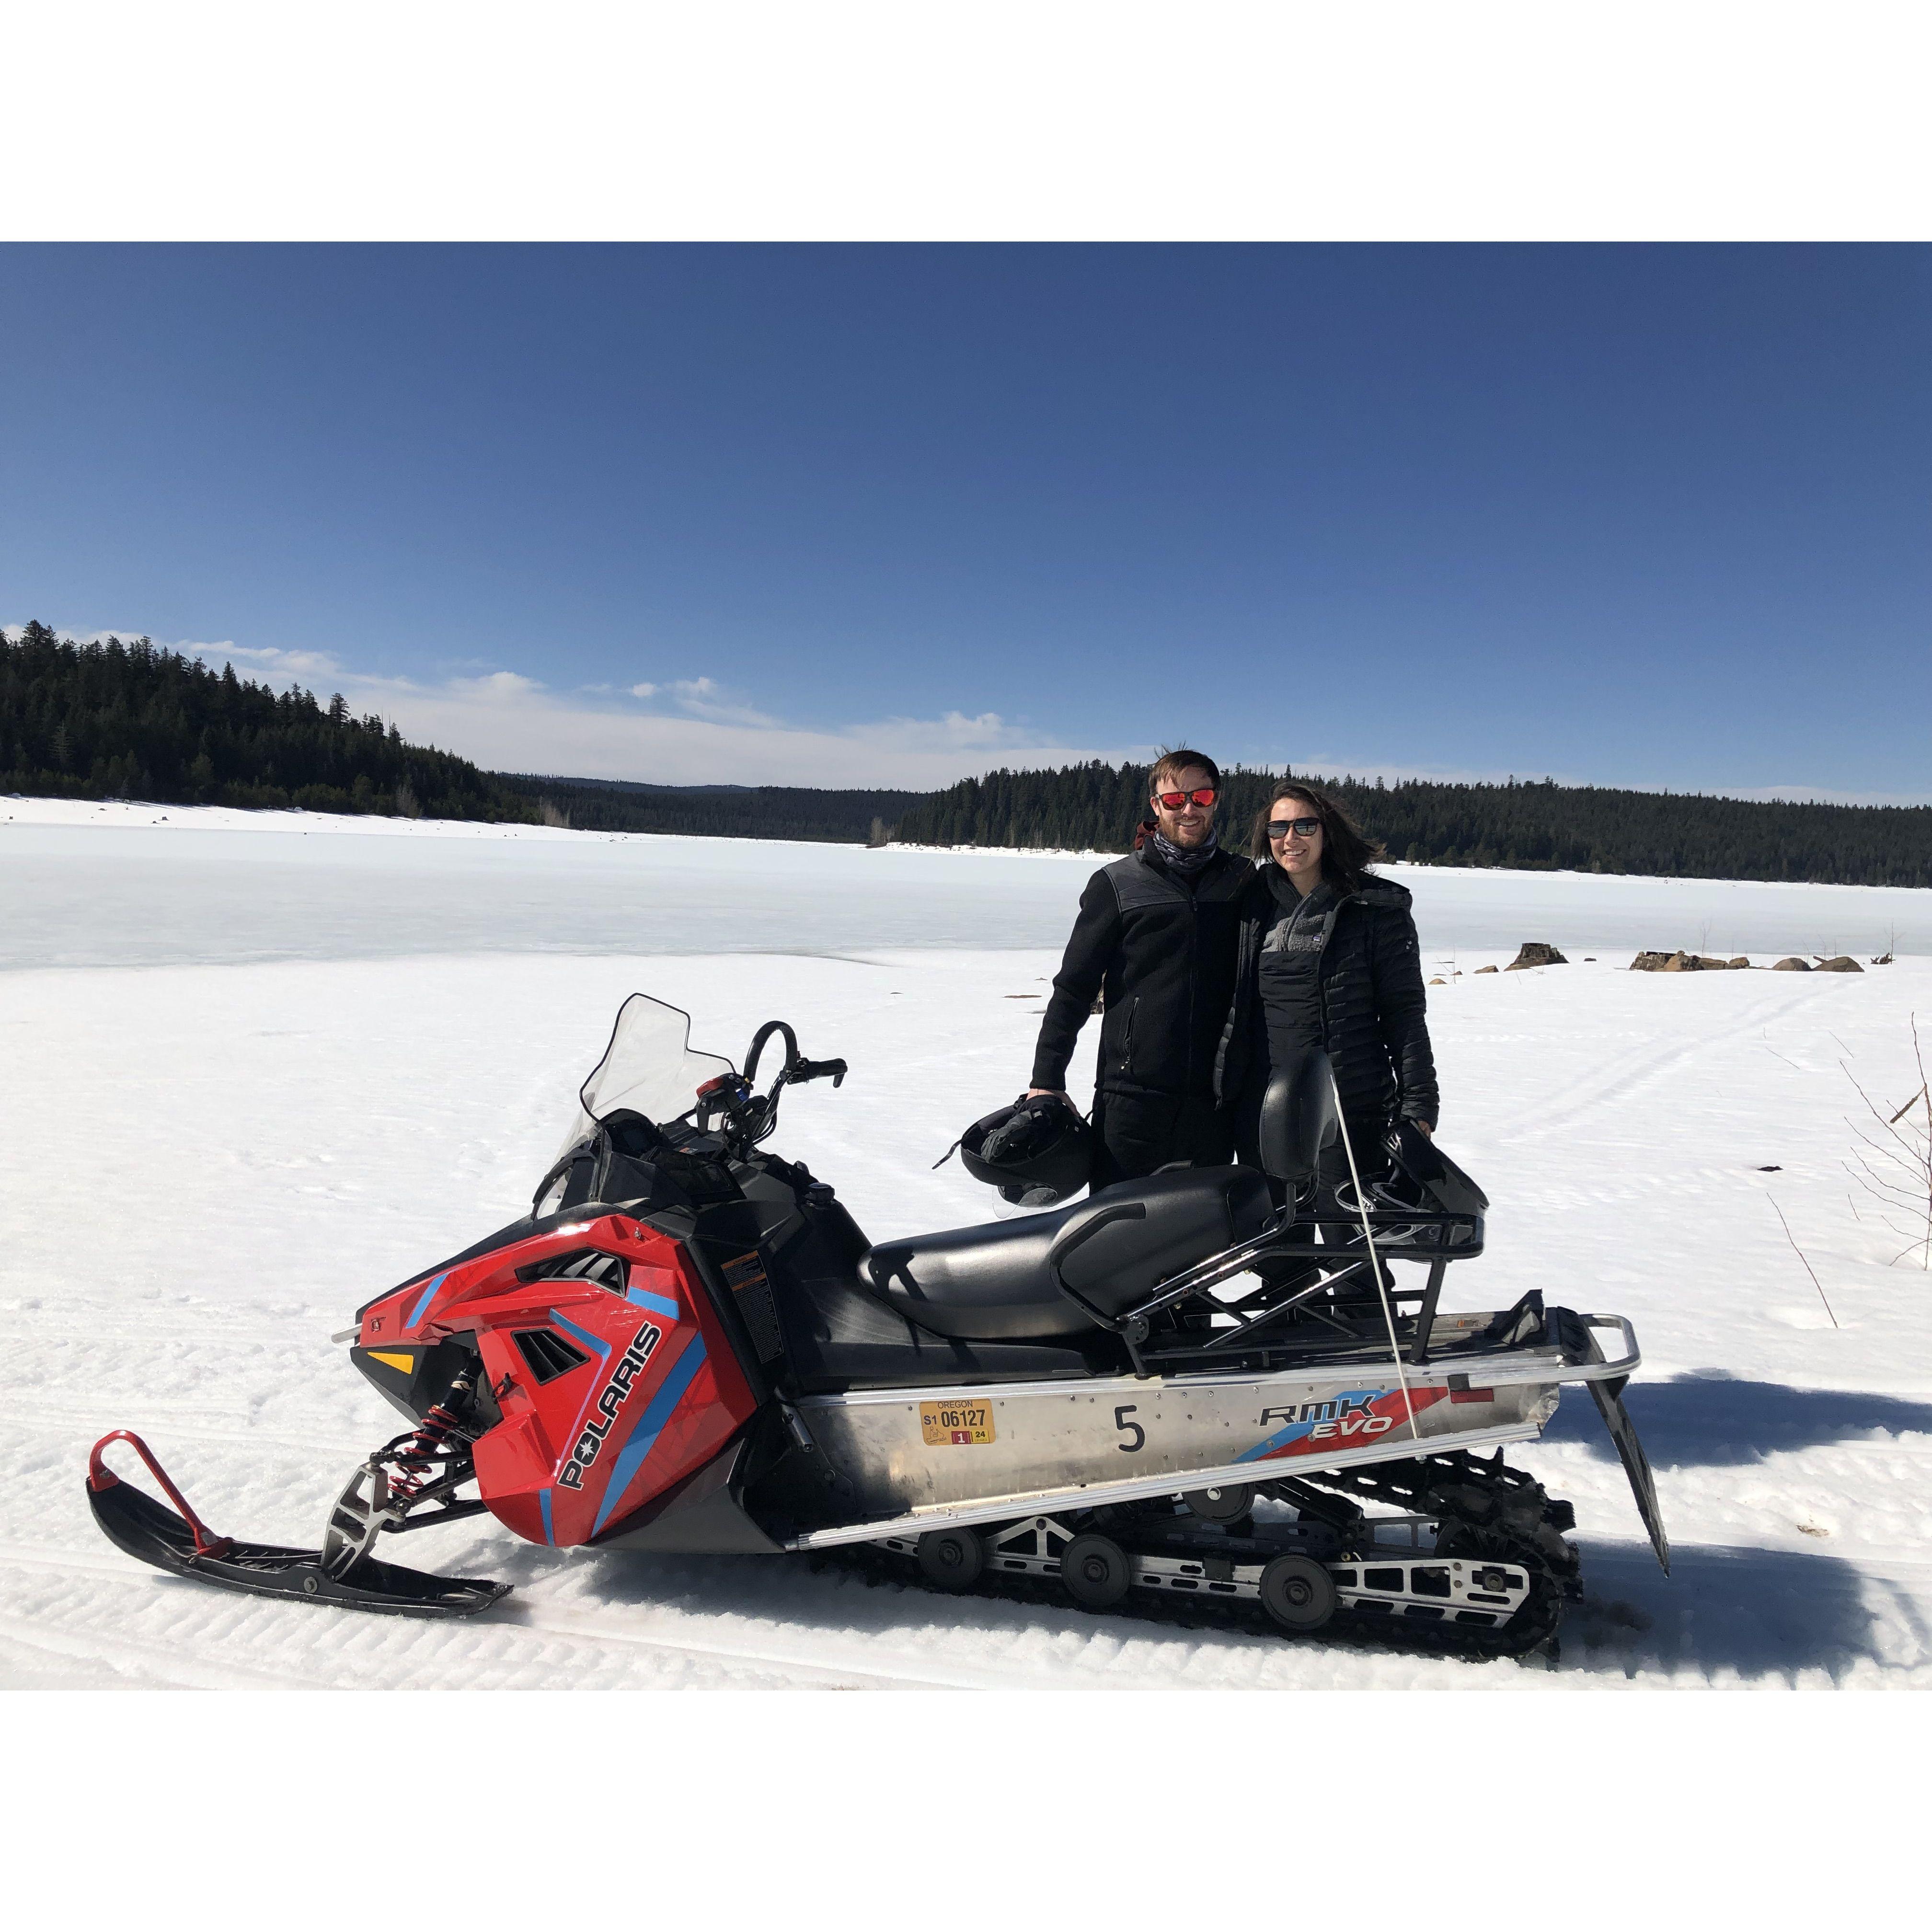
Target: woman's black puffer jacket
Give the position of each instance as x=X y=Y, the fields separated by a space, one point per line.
x=1373 y=1007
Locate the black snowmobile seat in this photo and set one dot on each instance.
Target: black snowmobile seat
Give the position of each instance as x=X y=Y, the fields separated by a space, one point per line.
x=995 y=1283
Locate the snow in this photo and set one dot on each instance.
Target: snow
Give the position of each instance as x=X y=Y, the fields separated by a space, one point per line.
x=238 y=1101
x=86 y=884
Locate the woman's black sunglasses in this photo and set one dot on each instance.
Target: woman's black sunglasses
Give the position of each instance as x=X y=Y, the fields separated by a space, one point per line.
x=1302 y=828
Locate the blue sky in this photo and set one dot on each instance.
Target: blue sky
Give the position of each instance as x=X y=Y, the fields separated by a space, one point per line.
x=1649 y=516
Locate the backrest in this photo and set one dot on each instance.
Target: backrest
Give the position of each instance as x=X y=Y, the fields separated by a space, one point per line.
x=1297 y=1118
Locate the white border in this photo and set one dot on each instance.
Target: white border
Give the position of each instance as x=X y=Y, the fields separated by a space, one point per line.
x=1023 y=119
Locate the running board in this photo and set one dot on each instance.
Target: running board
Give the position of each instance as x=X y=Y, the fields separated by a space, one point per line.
x=1091 y=1495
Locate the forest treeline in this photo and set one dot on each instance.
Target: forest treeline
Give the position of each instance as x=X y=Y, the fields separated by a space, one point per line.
x=719 y=812
x=1539 y=825
x=116 y=720
x=132 y=720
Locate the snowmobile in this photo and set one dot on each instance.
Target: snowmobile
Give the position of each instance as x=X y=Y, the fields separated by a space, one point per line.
x=1178 y=1393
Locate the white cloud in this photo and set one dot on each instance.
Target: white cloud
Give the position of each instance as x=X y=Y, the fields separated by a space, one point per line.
x=266 y=657
x=563 y=735
x=730 y=714
x=701 y=697
x=495 y=687
x=988 y=732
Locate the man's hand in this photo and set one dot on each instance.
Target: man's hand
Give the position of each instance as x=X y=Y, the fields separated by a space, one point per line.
x=1045 y=1093
x=1426 y=1129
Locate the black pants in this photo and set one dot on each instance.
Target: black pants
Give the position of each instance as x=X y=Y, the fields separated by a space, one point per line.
x=1139 y=1133
x=1331 y=1172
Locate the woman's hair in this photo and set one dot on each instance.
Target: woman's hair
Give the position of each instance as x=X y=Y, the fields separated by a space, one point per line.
x=1346 y=853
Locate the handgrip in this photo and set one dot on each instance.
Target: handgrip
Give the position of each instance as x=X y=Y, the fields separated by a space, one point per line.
x=816 y=1070
x=1056 y=1255
x=1117 y=1211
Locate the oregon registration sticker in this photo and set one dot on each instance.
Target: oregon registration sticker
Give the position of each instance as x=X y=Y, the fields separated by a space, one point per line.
x=964 y=1422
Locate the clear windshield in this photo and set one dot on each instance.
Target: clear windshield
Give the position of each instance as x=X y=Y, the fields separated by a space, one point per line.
x=649 y=1067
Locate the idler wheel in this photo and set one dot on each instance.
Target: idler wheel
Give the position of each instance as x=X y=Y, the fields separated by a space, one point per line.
x=1095 y=1570
x=953 y=1558
x=1298 y=1593
x=1221 y=1505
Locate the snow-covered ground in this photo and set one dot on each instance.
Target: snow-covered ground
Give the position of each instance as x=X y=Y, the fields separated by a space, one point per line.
x=236 y=1103
x=83 y=884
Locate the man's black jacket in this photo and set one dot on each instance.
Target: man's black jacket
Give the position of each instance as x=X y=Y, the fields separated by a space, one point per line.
x=1162 y=950
x=1373 y=1006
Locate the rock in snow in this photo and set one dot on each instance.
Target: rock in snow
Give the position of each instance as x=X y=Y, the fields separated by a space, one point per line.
x=1534 y=952
x=1684 y=962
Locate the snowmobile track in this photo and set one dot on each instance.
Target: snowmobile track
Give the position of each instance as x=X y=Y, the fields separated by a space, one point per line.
x=1350 y=1629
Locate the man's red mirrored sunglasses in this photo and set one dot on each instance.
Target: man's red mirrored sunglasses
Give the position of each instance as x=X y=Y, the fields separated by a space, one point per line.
x=1172 y=801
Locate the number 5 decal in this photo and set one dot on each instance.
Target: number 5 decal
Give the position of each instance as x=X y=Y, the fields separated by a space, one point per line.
x=1120 y=1422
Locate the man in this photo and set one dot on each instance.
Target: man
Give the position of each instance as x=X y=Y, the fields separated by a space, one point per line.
x=1157 y=933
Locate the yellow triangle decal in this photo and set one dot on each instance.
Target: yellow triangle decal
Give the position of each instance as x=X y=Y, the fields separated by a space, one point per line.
x=407 y=1363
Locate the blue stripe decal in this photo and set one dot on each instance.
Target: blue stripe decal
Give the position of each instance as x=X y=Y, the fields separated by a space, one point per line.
x=670 y=1393
x=658 y=1304
x=550 y=1531
x=582 y=1335
x=426 y=1297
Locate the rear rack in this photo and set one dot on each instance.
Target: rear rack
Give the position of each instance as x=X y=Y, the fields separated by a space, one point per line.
x=1435 y=1238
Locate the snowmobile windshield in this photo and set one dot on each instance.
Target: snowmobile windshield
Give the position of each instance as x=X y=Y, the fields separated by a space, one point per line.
x=649 y=1067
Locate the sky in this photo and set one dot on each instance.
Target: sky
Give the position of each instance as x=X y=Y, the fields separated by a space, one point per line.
x=893 y=515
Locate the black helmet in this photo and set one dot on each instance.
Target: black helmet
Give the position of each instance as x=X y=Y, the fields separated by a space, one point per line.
x=1420 y=1178
x=1037 y=1152
x=1414 y=1157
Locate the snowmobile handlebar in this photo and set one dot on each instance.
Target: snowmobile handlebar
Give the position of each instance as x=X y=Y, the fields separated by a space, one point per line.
x=797 y=1070
x=756 y=1048
x=751 y=1115
x=817 y=1070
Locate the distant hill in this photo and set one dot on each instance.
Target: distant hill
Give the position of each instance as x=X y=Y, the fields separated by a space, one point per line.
x=717 y=812
x=117 y=720
x=1537 y=826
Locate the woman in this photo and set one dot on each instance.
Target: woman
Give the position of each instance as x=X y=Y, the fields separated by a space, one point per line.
x=1328 y=957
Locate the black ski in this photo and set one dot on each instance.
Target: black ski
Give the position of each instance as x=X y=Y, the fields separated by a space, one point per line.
x=178 y=1540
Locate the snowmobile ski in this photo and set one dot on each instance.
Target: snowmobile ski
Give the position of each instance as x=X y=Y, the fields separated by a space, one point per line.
x=178 y=1539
